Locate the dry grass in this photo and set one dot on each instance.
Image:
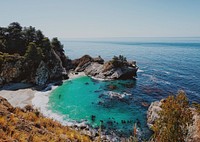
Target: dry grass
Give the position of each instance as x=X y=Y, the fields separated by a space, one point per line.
x=29 y=126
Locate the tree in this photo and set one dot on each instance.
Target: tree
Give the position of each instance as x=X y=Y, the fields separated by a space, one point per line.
x=33 y=53
x=174 y=119
x=121 y=58
x=46 y=45
x=14 y=28
x=14 y=39
x=29 y=34
x=39 y=37
x=57 y=45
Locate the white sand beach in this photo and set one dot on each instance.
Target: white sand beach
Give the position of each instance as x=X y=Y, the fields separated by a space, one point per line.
x=18 y=98
x=22 y=97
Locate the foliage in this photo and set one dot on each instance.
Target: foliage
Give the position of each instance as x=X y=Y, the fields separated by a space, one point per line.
x=57 y=45
x=16 y=39
x=5 y=57
x=196 y=106
x=33 y=53
x=27 y=125
x=174 y=119
x=119 y=61
x=119 y=58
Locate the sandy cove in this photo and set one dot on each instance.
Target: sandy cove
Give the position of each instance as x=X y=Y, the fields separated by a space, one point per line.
x=19 y=97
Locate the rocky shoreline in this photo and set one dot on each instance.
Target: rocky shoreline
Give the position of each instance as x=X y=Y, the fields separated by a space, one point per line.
x=82 y=127
x=13 y=70
x=94 y=67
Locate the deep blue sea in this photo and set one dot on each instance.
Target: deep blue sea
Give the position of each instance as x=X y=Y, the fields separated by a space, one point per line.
x=166 y=65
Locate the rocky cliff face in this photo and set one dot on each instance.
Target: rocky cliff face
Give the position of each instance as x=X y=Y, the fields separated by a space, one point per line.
x=96 y=67
x=11 y=68
x=15 y=68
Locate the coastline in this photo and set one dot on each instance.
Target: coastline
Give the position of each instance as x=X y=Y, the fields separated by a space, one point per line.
x=41 y=99
x=21 y=94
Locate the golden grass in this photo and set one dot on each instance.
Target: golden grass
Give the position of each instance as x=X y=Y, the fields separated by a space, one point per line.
x=28 y=126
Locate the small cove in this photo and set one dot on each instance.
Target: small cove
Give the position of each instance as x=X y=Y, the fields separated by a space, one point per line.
x=86 y=99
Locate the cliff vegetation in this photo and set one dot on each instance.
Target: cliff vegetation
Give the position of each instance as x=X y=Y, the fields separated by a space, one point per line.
x=27 y=55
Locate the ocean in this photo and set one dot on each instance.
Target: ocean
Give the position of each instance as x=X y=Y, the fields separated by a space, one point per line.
x=166 y=65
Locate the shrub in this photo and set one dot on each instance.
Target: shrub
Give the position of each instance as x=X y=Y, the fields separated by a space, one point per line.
x=174 y=119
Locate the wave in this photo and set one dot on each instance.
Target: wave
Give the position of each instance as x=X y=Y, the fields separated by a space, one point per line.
x=139 y=70
x=113 y=94
x=156 y=80
x=40 y=102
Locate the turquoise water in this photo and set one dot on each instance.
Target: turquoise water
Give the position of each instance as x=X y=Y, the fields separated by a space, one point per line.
x=81 y=98
x=166 y=66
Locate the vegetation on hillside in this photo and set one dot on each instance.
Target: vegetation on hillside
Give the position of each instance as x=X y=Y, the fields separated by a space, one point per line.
x=29 y=48
x=29 y=125
x=16 y=39
x=174 y=119
x=28 y=42
x=119 y=61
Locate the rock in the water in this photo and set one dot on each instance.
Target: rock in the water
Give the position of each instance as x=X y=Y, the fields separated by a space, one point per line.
x=114 y=69
x=112 y=87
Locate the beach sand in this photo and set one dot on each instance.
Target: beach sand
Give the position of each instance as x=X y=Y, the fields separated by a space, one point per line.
x=21 y=94
x=18 y=98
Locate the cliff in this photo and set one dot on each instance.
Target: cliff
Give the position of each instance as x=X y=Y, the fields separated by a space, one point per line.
x=26 y=55
x=16 y=68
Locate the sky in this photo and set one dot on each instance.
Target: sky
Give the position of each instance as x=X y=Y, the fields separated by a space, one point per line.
x=105 y=18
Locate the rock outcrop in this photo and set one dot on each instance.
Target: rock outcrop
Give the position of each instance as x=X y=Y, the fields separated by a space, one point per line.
x=11 y=69
x=152 y=113
x=16 y=68
x=114 y=69
x=82 y=63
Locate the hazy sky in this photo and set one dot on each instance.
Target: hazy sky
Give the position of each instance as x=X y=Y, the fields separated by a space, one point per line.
x=105 y=18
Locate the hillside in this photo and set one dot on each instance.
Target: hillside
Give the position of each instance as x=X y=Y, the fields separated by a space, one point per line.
x=29 y=125
x=26 y=55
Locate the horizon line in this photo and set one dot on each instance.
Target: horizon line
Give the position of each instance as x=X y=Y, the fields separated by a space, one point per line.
x=129 y=37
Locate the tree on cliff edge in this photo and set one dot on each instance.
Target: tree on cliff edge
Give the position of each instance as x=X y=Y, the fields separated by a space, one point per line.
x=174 y=119
x=33 y=53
